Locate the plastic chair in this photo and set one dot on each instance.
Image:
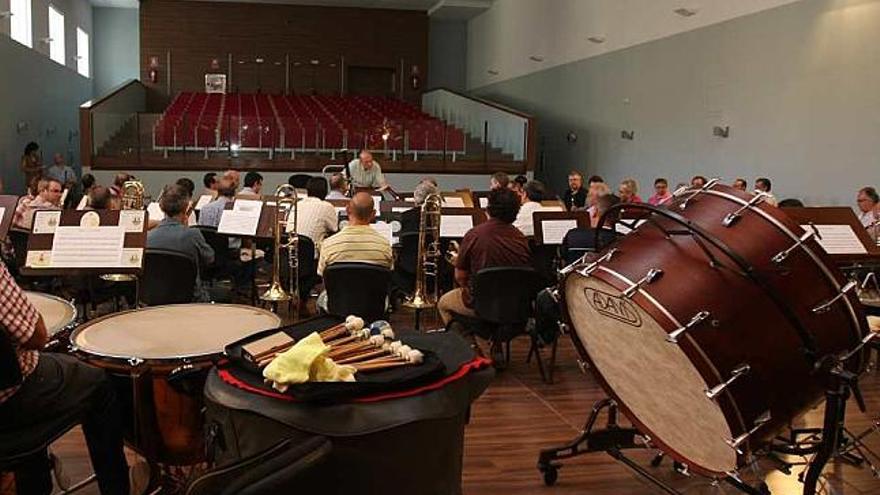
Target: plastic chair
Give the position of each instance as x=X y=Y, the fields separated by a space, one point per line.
x=357 y=289
x=504 y=298
x=275 y=470
x=169 y=277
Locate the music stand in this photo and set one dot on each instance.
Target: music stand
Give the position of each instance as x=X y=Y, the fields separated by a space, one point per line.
x=477 y=217
x=838 y=215
x=8 y=204
x=555 y=219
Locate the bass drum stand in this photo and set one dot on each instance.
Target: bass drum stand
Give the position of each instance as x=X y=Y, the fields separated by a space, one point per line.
x=614 y=439
x=834 y=438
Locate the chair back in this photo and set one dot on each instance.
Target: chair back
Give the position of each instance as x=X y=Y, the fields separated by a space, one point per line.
x=299 y=181
x=504 y=295
x=308 y=266
x=19 y=240
x=224 y=258
x=408 y=256
x=169 y=277
x=357 y=289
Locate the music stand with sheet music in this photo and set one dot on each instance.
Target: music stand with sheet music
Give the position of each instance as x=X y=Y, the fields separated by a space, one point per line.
x=42 y=243
x=7 y=206
x=549 y=225
x=841 y=223
x=476 y=215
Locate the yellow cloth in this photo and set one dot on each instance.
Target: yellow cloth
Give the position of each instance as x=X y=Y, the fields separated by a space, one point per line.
x=874 y=323
x=306 y=361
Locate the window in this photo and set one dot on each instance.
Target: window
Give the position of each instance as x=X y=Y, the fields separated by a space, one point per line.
x=56 y=35
x=20 y=27
x=82 y=52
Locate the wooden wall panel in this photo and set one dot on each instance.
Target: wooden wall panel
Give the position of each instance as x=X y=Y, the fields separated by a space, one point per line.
x=196 y=32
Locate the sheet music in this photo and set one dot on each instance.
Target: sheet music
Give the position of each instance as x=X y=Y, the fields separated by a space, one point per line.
x=247 y=205
x=239 y=222
x=455 y=225
x=132 y=220
x=400 y=209
x=838 y=239
x=340 y=210
x=376 y=201
x=453 y=202
x=553 y=231
x=385 y=229
x=551 y=208
x=155 y=212
x=203 y=200
x=484 y=202
x=625 y=229
x=46 y=221
x=64 y=194
x=132 y=257
x=87 y=247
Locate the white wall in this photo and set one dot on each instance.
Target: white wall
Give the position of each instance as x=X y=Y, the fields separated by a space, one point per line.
x=39 y=93
x=798 y=86
x=503 y=38
x=117 y=47
x=447 y=54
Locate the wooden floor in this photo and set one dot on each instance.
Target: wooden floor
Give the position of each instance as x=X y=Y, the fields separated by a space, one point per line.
x=519 y=415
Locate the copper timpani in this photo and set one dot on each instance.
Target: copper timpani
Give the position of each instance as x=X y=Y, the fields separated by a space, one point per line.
x=161 y=355
x=59 y=316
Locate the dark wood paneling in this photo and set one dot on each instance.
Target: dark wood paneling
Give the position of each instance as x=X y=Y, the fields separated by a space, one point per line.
x=195 y=33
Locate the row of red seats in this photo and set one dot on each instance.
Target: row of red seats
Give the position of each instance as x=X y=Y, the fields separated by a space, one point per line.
x=306 y=122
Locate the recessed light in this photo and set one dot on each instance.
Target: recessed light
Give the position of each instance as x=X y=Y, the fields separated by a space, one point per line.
x=685 y=12
x=596 y=39
x=536 y=58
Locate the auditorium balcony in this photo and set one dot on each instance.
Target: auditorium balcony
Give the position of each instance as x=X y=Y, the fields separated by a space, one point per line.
x=449 y=133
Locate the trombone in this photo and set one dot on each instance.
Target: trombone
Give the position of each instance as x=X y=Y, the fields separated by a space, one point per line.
x=428 y=260
x=285 y=199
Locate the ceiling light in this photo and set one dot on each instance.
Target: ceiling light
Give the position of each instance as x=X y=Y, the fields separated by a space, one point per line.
x=596 y=39
x=685 y=12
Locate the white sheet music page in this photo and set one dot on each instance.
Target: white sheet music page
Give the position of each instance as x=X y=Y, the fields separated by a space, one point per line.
x=46 y=221
x=553 y=231
x=838 y=239
x=88 y=247
x=385 y=229
x=154 y=212
x=484 y=202
x=453 y=202
x=239 y=222
x=625 y=229
x=132 y=220
x=455 y=225
x=248 y=205
x=376 y=201
x=203 y=200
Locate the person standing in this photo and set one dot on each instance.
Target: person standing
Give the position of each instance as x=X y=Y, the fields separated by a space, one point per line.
x=31 y=164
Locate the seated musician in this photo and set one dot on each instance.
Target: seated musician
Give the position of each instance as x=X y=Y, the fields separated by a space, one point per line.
x=411 y=218
x=253 y=185
x=21 y=207
x=119 y=181
x=100 y=199
x=575 y=196
x=579 y=241
x=403 y=280
x=499 y=180
x=173 y=234
x=48 y=198
x=762 y=184
x=338 y=187
x=210 y=213
x=356 y=242
x=210 y=183
x=531 y=196
x=741 y=184
x=57 y=391
x=366 y=172
x=235 y=175
x=596 y=191
x=315 y=218
x=869 y=206
x=495 y=242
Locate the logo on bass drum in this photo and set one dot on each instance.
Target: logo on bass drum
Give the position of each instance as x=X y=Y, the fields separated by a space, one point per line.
x=613 y=306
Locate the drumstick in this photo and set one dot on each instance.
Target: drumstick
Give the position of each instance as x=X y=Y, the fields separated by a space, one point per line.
x=365 y=368
x=352 y=323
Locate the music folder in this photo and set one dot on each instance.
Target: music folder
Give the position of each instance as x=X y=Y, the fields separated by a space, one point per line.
x=551 y=226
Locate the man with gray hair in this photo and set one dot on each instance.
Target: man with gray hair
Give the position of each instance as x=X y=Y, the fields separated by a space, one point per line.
x=366 y=172
x=410 y=219
x=173 y=234
x=337 y=187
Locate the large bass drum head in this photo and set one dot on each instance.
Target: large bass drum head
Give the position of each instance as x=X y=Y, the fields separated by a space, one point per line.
x=653 y=380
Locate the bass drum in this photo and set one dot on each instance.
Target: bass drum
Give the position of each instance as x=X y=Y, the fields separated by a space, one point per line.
x=706 y=324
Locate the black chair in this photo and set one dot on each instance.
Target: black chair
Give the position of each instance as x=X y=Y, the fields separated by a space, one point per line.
x=19 y=239
x=169 y=277
x=357 y=289
x=278 y=469
x=225 y=262
x=504 y=298
x=299 y=181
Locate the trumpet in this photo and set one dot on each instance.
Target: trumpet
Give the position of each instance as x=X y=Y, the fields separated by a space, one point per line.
x=285 y=199
x=428 y=260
